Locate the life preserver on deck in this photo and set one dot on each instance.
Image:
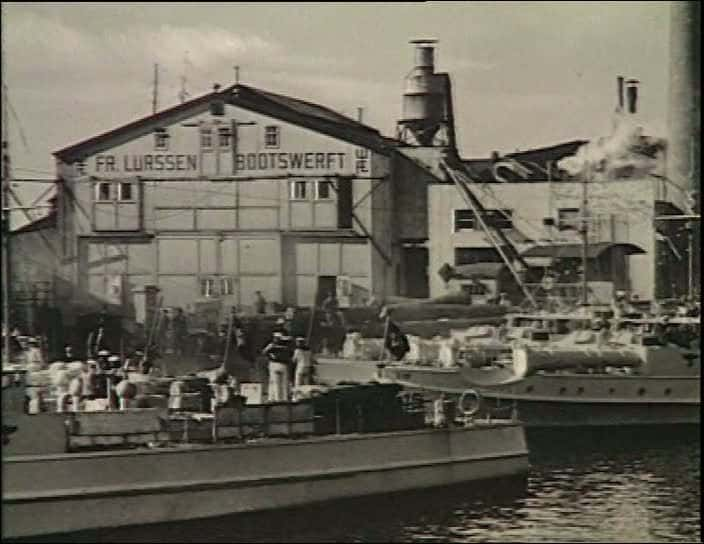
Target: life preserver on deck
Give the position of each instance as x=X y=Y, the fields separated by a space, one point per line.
x=476 y=402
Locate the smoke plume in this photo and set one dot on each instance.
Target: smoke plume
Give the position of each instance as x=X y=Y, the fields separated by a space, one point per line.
x=625 y=153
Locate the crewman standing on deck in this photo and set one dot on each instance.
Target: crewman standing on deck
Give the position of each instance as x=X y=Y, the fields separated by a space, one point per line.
x=279 y=355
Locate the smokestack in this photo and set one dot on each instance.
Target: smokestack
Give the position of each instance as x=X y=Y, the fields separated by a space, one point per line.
x=632 y=95
x=360 y=114
x=683 y=148
x=619 y=82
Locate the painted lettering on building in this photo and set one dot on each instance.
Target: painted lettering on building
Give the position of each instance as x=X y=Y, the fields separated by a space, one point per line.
x=289 y=161
x=146 y=163
x=361 y=161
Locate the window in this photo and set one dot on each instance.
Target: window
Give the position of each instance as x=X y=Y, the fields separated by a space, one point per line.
x=501 y=219
x=206 y=138
x=271 y=136
x=224 y=137
x=102 y=191
x=81 y=167
x=323 y=190
x=567 y=218
x=125 y=192
x=298 y=190
x=471 y=255
x=161 y=139
x=226 y=286
x=207 y=287
x=463 y=220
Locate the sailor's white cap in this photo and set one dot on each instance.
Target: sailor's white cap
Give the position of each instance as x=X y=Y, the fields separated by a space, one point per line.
x=113 y=358
x=103 y=352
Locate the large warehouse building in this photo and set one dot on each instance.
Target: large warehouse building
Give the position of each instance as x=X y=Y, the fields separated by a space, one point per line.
x=243 y=190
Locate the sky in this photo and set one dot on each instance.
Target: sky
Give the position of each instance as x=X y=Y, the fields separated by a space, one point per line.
x=524 y=74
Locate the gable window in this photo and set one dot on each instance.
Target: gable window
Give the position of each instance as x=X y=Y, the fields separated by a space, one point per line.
x=207 y=287
x=224 y=137
x=323 y=190
x=463 y=220
x=206 y=138
x=298 y=190
x=125 y=191
x=161 y=139
x=81 y=167
x=102 y=191
x=271 y=136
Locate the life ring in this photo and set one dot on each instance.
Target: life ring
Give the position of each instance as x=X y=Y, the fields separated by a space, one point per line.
x=475 y=405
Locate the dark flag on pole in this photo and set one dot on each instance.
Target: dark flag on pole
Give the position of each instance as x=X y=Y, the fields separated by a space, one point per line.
x=396 y=342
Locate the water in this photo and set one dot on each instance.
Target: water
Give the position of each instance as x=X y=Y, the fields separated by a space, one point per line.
x=596 y=486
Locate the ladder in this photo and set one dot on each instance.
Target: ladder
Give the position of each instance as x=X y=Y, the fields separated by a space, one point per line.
x=493 y=232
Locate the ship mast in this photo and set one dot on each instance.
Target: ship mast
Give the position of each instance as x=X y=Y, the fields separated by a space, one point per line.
x=584 y=231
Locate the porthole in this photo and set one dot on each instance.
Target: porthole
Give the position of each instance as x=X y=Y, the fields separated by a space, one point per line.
x=612 y=390
x=529 y=389
x=641 y=391
x=563 y=390
x=668 y=391
x=580 y=390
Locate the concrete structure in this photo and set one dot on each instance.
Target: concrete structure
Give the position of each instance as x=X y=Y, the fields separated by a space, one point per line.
x=236 y=191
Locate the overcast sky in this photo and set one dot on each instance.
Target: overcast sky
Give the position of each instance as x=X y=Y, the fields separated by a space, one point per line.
x=525 y=74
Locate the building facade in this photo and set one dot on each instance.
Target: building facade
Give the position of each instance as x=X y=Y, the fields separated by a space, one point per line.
x=235 y=192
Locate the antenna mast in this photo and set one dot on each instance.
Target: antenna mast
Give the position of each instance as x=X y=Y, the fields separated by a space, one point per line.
x=183 y=93
x=155 y=94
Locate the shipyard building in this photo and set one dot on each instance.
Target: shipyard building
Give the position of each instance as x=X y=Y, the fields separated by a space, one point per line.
x=243 y=190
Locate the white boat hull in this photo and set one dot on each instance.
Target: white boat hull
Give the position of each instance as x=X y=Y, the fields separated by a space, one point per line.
x=58 y=493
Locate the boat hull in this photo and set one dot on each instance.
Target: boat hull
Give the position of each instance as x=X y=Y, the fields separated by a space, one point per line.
x=552 y=400
x=47 y=494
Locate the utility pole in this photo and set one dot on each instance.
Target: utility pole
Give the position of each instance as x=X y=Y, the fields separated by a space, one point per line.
x=155 y=94
x=237 y=74
x=584 y=230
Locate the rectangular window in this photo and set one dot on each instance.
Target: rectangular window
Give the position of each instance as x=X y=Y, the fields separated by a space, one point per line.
x=463 y=220
x=567 y=218
x=472 y=255
x=81 y=168
x=323 y=190
x=224 y=137
x=125 y=191
x=206 y=138
x=161 y=140
x=226 y=286
x=102 y=191
x=298 y=190
x=271 y=136
x=501 y=219
x=207 y=288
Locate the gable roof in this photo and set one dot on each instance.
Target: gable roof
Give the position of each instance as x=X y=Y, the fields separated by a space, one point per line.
x=293 y=110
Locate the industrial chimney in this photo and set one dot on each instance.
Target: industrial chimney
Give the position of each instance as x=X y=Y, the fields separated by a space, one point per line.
x=684 y=130
x=619 y=84
x=632 y=95
x=424 y=111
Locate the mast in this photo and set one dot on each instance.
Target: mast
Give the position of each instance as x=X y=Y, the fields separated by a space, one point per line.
x=5 y=210
x=584 y=230
x=155 y=92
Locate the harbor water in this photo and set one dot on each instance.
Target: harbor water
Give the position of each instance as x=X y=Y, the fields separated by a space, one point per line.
x=615 y=485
